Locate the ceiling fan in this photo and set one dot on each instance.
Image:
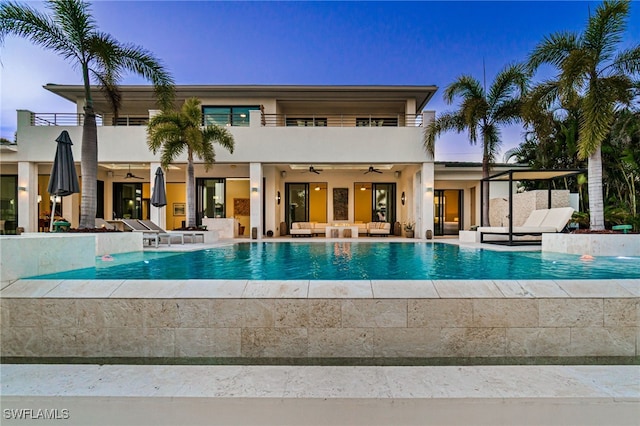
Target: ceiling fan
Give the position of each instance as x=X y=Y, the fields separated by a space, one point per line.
x=372 y=170
x=130 y=175
x=314 y=170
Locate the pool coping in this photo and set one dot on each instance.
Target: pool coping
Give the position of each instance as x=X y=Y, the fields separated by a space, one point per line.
x=321 y=289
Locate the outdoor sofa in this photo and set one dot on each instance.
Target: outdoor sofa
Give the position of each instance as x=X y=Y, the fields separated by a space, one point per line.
x=309 y=229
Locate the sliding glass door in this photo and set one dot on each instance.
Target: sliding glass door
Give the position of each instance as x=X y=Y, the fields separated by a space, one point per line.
x=375 y=202
x=297 y=202
x=447 y=211
x=210 y=198
x=384 y=207
x=127 y=200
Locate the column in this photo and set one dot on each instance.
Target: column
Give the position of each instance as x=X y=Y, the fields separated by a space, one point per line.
x=71 y=209
x=271 y=204
x=427 y=191
x=256 y=190
x=28 y=196
x=158 y=215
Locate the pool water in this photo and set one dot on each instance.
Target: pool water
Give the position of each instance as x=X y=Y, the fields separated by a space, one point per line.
x=353 y=261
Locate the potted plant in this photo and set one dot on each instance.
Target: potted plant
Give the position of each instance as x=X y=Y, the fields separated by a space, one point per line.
x=409 y=229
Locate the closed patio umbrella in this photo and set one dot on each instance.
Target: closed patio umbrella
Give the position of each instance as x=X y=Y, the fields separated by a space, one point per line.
x=159 y=197
x=63 y=180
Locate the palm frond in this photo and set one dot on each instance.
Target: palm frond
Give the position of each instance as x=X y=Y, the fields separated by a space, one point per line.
x=508 y=112
x=491 y=142
x=510 y=82
x=628 y=61
x=597 y=118
x=465 y=87
x=172 y=149
x=144 y=63
x=192 y=111
x=220 y=135
x=445 y=122
x=472 y=110
x=552 y=50
x=576 y=69
x=31 y=24
x=75 y=20
x=605 y=28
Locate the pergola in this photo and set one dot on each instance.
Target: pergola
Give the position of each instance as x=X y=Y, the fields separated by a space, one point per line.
x=518 y=175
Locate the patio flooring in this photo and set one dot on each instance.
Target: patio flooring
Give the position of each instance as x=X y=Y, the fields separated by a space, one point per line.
x=322 y=395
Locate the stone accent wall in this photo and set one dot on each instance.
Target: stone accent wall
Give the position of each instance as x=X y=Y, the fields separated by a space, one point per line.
x=523 y=204
x=309 y=327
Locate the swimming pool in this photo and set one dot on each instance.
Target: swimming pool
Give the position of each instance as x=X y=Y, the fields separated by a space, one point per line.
x=353 y=261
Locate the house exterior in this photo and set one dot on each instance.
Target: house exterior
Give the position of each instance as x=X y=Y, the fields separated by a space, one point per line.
x=328 y=154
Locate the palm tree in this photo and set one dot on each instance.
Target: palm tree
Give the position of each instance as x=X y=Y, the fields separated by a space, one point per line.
x=481 y=113
x=71 y=32
x=172 y=132
x=599 y=78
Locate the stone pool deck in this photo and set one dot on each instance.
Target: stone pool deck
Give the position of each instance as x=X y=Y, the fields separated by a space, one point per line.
x=311 y=395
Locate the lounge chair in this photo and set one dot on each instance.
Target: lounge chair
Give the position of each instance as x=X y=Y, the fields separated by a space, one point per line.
x=154 y=227
x=539 y=222
x=150 y=235
x=101 y=223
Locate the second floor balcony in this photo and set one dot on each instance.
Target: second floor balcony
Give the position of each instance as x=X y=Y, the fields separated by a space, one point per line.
x=229 y=120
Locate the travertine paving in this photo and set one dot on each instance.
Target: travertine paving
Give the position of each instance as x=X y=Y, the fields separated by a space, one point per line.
x=314 y=395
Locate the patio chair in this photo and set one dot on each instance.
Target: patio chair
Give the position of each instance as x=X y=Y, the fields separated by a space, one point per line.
x=154 y=227
x=150 y=235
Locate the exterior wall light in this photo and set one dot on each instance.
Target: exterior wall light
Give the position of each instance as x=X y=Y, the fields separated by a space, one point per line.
x=278 y=198
x=403 y=198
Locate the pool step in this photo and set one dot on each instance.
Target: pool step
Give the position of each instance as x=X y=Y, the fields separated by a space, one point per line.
x=319 y=395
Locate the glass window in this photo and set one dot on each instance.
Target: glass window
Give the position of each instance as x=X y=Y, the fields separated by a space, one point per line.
x=296 y=200
x=127 y=200
x=306 y=121
x=8 y=204
x=377 y=121
x=211 y=198
x=228 y=115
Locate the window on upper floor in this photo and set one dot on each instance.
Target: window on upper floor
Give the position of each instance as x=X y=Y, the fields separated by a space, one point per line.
x=307 y=121
x=227 y=115
x=376 y=121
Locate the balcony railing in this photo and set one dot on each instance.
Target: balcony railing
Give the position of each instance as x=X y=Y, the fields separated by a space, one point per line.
x=342 y=120
x=266 y=120
x=70 y=119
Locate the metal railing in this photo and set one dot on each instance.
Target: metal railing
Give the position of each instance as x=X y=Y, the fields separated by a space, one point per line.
x=342 y=120
x=71 y=119
x=266 y=120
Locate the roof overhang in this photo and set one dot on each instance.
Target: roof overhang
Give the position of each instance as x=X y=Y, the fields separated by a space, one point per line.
x=534 y=174
x=422 y=94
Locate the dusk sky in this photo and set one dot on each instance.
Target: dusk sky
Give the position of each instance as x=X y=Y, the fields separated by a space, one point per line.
x=315 y=43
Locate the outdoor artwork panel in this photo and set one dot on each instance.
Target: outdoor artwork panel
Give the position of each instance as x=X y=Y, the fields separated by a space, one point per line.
x=340 y=203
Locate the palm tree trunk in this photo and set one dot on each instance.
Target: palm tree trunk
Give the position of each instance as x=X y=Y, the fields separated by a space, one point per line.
x=89 y=157
x=596 y=202
x=191 y=193
x=89 y=170
x=485 y=189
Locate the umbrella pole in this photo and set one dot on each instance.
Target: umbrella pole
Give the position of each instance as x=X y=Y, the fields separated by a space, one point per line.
x=53 y=213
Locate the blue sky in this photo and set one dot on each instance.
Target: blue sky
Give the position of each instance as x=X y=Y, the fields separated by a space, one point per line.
x=341 y=43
